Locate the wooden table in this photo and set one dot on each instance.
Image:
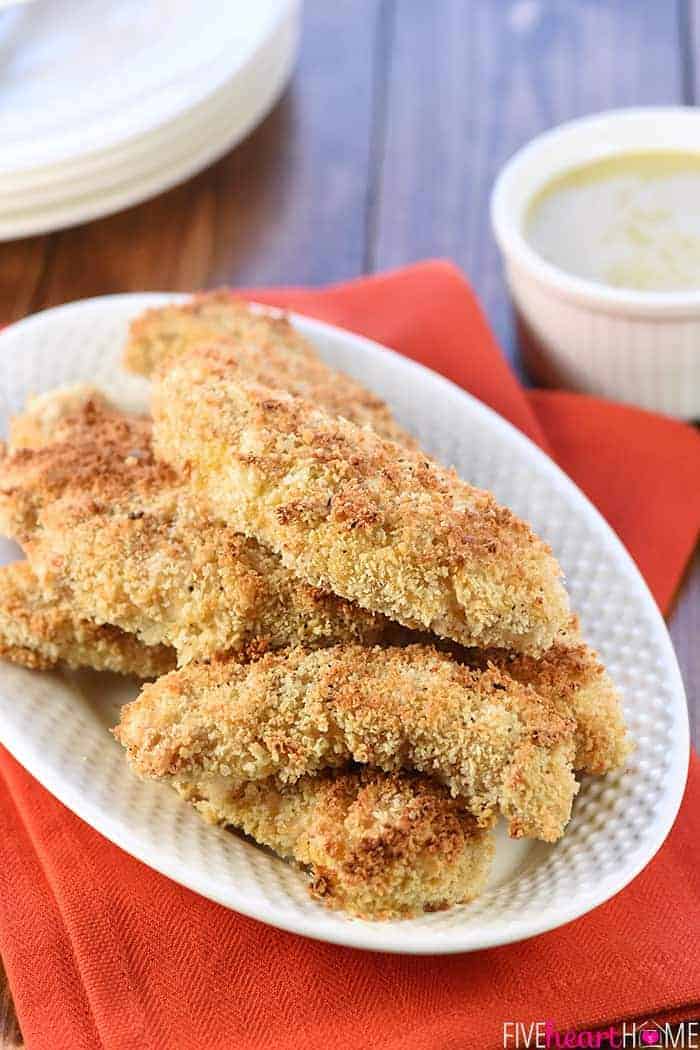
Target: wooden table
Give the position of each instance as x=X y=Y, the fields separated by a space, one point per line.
x=384 y=151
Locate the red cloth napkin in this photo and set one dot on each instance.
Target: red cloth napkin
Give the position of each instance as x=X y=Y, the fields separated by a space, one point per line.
x=103 y=952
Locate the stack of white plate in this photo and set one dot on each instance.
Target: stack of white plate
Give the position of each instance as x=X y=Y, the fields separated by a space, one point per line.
x=105 y=104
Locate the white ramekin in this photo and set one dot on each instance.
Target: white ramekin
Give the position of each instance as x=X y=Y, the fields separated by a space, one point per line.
x=638 y=347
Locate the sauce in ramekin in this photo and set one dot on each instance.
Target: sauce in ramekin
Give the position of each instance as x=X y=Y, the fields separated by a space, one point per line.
x=630 y=221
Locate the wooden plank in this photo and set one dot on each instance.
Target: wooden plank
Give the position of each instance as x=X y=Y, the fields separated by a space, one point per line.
x=10 y=1035
x=690 y=44
x=684 y=625
x=287 y=206
x=470 y=83
x=21 y=266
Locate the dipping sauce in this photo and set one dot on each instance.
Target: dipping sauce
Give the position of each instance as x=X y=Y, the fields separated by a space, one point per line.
x=631 y=221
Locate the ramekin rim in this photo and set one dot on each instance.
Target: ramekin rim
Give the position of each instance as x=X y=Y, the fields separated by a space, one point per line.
x=595 y=295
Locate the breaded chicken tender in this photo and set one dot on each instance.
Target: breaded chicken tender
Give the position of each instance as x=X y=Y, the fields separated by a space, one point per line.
x=45 y=413
x=378 y=845
x=571 y=677
x=351 y=513
x=114 y=533
x=494 y=742
x=256 y=345
x=41 y=633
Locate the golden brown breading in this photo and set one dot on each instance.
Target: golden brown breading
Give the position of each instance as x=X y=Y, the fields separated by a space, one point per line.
x=571 y=677
x=256 y=345
x=41 y=632
x=113 y=531
x=359 y=516
x=42 y=418
x=492 y=740
x=568 y=676
x=161 y=335
x=378 y=845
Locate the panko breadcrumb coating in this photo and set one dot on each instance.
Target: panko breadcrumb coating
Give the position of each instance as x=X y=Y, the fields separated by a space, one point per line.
x=44 y=413
x=493 y=741
x=258 y=345
x=362 y=517
x=110 y=528
x=41 y=633
x=378 y=845
x=571 y=677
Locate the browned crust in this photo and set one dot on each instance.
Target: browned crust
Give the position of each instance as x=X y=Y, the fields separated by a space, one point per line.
x=41 y=632
x=378 y=845
x=351 y=513
x=258 y=345
x=492 y=740
x=84 y=458
x=572 y=678
x=116 y=532
x=45 y=414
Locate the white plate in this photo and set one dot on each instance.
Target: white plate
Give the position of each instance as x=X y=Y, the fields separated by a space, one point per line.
x=168 y=155
x=237 y=96
x=80 y=76
x=56 y=725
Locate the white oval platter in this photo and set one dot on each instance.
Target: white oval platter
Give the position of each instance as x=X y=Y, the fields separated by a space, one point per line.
x=56 y=725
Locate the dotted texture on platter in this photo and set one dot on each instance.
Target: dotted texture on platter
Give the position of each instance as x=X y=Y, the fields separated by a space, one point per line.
x=56 y=725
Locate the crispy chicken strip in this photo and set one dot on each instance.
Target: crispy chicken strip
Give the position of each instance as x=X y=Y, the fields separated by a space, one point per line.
x=569 y=674
x=41 y=632
x=357 y=515
x=45 y=414
x=378 y=845
x=569 y=677
x=572 y=679
x=114 y=533
x=258 y=345
x=491 y=740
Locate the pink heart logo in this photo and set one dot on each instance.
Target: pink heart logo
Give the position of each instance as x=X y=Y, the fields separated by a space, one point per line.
x=650 y=1037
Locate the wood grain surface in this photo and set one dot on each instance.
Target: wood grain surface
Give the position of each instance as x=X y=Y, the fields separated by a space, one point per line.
x=383 y=151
